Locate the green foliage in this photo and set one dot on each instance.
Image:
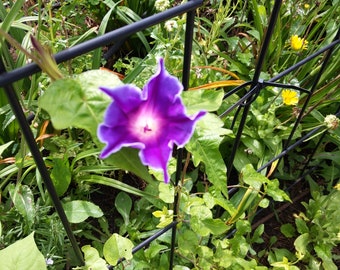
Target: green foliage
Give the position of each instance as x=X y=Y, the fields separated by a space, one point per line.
x=117 y=247
x=78 y=211
x=23 y=254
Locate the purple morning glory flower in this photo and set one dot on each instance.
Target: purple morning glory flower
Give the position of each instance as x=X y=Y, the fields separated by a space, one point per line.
x=151 y=120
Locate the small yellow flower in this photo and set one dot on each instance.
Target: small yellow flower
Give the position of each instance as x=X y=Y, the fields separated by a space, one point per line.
x=290 y=97
x=165 y=217
x=297 y=43
x=306 y=6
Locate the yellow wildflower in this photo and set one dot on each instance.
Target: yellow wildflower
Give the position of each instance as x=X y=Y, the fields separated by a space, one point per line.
x=306 y=6
x=297 y=43
x=165 y=217
x=290 y=97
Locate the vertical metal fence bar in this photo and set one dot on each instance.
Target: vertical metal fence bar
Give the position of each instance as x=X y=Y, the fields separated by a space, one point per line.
x=189 y=33
x=255 y=83
x=28 y=135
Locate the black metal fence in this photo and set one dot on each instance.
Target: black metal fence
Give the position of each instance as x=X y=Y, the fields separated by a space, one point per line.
x=7 y=78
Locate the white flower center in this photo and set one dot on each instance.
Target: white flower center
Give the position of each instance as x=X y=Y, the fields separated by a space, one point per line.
x=146 y=126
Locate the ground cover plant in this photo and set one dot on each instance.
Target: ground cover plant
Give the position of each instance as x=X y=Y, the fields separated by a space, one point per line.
x=117 y=188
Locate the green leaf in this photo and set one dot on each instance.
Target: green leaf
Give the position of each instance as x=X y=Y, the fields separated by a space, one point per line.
x=288 y=230
x=123 y=205
x=128 y=159
x=3 y=147
x=154 y=250
x=166 y=192
x=324 y=252
x=23 y=254
x=11 y=15
x=23 y=200
x=92 y=259
x=207 y=100
x=77 y=102
x=273 y=190
x=188 y=241
x=78 y=211
x=97 y=54
x=117 y=247
x=251 y=177
x=204 y=146
x=61 y=175
x=216 y=226
x=102 y=180
x=301 y=245
x=198 y=214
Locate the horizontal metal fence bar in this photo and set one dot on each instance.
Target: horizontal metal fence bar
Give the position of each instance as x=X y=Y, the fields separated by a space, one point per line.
x=87 y=46
x=291 y=147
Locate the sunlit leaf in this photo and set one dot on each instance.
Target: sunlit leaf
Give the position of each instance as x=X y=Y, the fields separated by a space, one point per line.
x=92 y=259
x=78 y=211
x=123 y=204
x=23 y=200
x=204 y=146
x=207 y=100
x=117 y=247
x=77 y=102
x=61 y=175
x=23 y=254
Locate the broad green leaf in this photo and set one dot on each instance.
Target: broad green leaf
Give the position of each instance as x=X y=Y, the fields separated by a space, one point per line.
x=255 y=145
x=207 y=100
x=251 y=177
x=128 y=159
x=23 y=254
x=288 y=230
x=61 y=175
x=204 y=146
x=216 y=226
x=78 y=211
x=300 y=244
x=23 y=200
x=198 y=214
x=77 y=102
x=188 y=241
x=123 y=204
x=92 y=259
x=273 y=190
x=154 y=250
x=324 y=252
x=166 y=192
x=117 y=247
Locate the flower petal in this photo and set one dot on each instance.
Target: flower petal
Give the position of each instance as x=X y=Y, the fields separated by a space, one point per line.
x=127 y=97
x=162 y=89
x=157 y=156
x=181 y=130
x=115 y=140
